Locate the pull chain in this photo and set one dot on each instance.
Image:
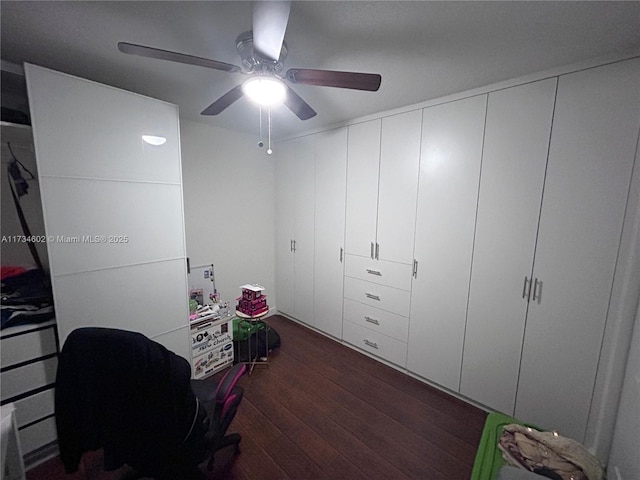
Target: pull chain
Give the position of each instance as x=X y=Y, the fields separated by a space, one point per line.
x=269 y=151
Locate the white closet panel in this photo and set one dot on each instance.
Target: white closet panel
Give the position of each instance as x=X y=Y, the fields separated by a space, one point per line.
x=120 y=223
x=398 y=189
x=593 y=145
x=452 y=136
x=330 y=185
x=125 y=297
x=285 y=234
x=304 y=167
x=514 y=160
x=99 y=178
x=175 y=341
x=362 y=187
x=110 y=120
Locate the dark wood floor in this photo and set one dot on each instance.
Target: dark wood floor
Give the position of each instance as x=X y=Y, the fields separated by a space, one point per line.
x=320 y=410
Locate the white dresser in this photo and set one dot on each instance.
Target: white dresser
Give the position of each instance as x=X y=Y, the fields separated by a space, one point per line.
x=377 y=302
x=29 y=362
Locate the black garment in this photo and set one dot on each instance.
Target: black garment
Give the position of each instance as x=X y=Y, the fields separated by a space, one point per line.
x=129 y=395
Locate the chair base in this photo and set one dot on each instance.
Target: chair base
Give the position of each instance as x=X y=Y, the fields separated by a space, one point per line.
x=231 y=439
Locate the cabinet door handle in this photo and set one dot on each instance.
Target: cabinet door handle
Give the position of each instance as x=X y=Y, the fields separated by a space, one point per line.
x=341 y=254
x=372 y=251
x=524 y=287
x=415 y=269
x=291 y=245
x=369 y=343
x=377 y=251
x=537 y=294
x=371 y=320
x=294 y=246
x=374 y=272
x=372 y=296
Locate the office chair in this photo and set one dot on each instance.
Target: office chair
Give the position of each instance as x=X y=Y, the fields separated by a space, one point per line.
x=122 y=392
x=220 y=405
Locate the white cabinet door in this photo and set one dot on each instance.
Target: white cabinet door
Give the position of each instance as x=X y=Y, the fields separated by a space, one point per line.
x=303 y=244
x=285 y=201
x=330 y=188
x=593 y=142
x=514 y=160
x=112 y=205
x=398 y=189
x=363 y=165
x=447 y=199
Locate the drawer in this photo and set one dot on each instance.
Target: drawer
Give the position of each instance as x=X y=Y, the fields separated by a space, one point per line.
x=397 y=275
x=387 y=323
x=32 y=376
x=38 y=435
x=375 y=343
x=379 y=296
x=22 y=347
x=35 y=407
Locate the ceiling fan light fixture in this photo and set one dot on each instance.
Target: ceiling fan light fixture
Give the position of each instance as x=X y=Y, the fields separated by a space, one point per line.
x=264 y=90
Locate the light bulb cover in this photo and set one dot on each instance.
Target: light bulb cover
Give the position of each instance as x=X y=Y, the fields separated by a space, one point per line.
x=264 y=90
x=154 y=140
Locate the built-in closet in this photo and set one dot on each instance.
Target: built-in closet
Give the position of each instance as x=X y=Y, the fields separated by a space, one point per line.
x=112 y=205
x=310 y=204
x=382 y=184
x=483 y=235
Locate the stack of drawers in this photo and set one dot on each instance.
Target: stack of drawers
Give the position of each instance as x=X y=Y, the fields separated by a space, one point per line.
x=29 y=362
x=376 y=307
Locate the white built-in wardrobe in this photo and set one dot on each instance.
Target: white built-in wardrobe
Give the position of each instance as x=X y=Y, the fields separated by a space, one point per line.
x=473 y=241
x=112 y=205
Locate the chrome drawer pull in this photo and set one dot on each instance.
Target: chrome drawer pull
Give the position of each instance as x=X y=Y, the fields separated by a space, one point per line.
x=372 y=296
x=372 y=320
x=370 y=344
x=374 y=272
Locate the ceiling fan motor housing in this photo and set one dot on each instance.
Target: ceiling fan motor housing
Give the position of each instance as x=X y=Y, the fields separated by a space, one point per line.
x=253 y=61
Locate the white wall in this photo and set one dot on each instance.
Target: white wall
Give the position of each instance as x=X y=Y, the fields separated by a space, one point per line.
x=229 y=203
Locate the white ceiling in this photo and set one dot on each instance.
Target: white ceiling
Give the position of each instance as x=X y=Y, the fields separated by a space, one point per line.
x=423 y=50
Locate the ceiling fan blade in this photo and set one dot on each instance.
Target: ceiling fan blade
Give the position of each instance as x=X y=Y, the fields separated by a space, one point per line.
x=297 y=105
x=331 y=78
x=270 y=20
x=224 y=101
x=151 y=52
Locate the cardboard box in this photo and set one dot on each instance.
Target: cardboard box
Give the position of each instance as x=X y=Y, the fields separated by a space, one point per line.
x=211 y=346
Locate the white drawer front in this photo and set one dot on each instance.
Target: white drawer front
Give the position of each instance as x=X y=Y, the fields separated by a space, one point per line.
x=378 y=296
x=375 y=343
x=388 y=323
x=20 y=348
x=38 y=435
x=397 y=275
x=35 y=407
x=29 y=377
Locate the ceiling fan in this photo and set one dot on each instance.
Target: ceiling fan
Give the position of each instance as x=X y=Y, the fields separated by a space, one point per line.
x=262 y=52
